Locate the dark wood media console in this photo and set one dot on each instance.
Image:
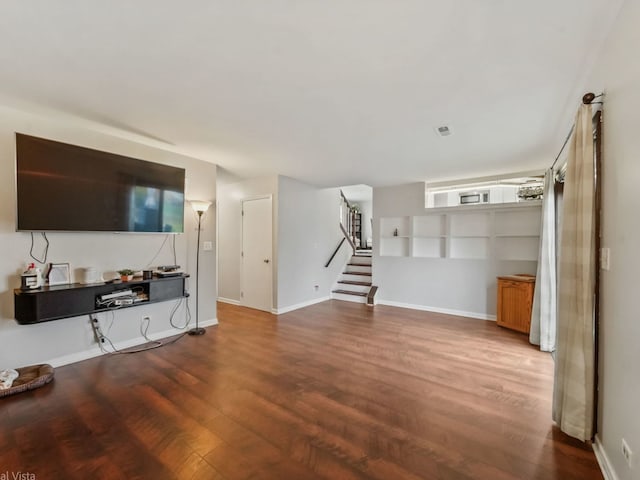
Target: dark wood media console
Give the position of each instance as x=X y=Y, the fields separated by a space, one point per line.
x=64 y=301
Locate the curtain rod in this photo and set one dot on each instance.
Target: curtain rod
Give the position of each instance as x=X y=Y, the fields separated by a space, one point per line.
x=587 y=99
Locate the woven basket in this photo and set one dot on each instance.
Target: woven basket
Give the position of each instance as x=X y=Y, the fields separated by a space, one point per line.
x=34 y=376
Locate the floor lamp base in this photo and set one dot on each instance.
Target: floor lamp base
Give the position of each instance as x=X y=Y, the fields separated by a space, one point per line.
x=197 y=331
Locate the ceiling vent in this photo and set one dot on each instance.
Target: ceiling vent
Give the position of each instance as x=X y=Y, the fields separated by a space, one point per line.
x=444 y=131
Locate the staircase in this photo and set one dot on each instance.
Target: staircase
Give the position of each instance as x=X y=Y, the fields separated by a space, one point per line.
x=354 y=284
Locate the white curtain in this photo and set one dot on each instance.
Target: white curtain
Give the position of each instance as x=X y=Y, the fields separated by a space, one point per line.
x=574 y=370
x=543 y=313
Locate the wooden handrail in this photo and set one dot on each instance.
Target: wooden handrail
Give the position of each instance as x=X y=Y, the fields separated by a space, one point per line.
x=346 y=235
x=345 y=199
x=335 y=252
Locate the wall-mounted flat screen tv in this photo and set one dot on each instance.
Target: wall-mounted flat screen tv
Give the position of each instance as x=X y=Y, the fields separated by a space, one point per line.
x=62 y=187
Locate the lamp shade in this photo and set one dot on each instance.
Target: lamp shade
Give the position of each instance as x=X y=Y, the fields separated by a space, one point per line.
x=200 y=206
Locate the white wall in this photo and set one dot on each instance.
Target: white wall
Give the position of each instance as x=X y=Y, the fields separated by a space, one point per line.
x=305 y=233
x=617 y=71
x=459 y=286
x=308 y=233
x=72 y=338
x=230 y=199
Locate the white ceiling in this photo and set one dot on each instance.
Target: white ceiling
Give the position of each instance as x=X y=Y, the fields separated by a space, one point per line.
x=357 y=193
x=332 y=92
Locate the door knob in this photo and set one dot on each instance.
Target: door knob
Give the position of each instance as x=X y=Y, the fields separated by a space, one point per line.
x=266 y=260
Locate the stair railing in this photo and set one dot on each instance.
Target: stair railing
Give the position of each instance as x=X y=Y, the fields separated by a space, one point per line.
x=345 y=219
x=335 y=252
x=348 y=237
x=345 y=212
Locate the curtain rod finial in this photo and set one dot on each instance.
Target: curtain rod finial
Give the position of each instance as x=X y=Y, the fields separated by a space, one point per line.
x=588 y=98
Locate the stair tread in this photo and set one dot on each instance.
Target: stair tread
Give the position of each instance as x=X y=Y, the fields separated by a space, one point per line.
x=349 y=292
x=359 y=264
x=352 y=282
x=367 y=274
x=361 y=255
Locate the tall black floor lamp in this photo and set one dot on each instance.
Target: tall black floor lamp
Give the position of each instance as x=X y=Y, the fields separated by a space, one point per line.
x=199 y=207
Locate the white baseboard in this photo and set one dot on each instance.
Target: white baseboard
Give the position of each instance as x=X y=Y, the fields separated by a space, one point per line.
x=230 y=301
x=425 y=308
x=96 y=352
x=603 y=460
x=279 y=311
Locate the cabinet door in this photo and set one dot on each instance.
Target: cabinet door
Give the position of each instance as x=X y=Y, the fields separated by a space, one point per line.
x=514 y=305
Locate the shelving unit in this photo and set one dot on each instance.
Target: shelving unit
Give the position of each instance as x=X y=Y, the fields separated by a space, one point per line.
x=469 y=234
x=429 y=247
x=395 y=235
x=517 y=234
x=503 y=233
x=395 y=246
x=389 y=225
x=429 y=236
x=64 y=301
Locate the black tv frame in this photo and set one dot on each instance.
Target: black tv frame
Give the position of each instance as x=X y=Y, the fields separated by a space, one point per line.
x=105 y=200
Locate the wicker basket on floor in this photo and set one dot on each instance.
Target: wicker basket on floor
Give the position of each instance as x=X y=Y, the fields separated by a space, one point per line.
x=34 y=376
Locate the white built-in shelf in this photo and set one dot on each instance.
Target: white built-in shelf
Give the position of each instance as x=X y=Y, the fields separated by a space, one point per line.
x=518 y=235
x=470 y=224
x=394 y=246
x=429 y=225
x=469 y=236
x=469 y=247
x=394 y=226
x=429 y=247
x=501 y=232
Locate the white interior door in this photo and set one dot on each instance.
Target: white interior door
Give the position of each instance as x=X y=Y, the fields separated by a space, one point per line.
x=256 y=258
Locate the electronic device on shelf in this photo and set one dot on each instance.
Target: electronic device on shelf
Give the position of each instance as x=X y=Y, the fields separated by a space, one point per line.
x=168 y=271
x=168 y=268
x=127 y=292
x=118 y=302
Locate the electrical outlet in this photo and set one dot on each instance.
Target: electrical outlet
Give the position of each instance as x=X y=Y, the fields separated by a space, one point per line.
x=97 y=331
x=626 y=452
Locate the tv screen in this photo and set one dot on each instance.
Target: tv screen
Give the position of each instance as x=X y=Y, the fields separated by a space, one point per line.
x=62 y=187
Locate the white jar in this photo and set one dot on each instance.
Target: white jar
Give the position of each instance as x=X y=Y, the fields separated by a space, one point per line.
x=91 y=275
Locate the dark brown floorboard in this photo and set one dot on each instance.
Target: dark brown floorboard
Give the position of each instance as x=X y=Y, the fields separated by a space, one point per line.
x=334 y=391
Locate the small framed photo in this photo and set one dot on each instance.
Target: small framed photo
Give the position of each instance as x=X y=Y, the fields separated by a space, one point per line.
x=59 y=274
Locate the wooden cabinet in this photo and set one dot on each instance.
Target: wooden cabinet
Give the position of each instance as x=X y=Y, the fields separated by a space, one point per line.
x=515 y=300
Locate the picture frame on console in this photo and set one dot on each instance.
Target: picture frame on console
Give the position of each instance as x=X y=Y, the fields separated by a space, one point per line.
x=59 y=274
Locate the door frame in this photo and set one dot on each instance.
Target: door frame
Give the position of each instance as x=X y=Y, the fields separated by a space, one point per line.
x=273 y=256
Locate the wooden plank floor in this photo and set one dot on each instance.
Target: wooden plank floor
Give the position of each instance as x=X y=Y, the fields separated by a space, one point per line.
x=337 y=391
